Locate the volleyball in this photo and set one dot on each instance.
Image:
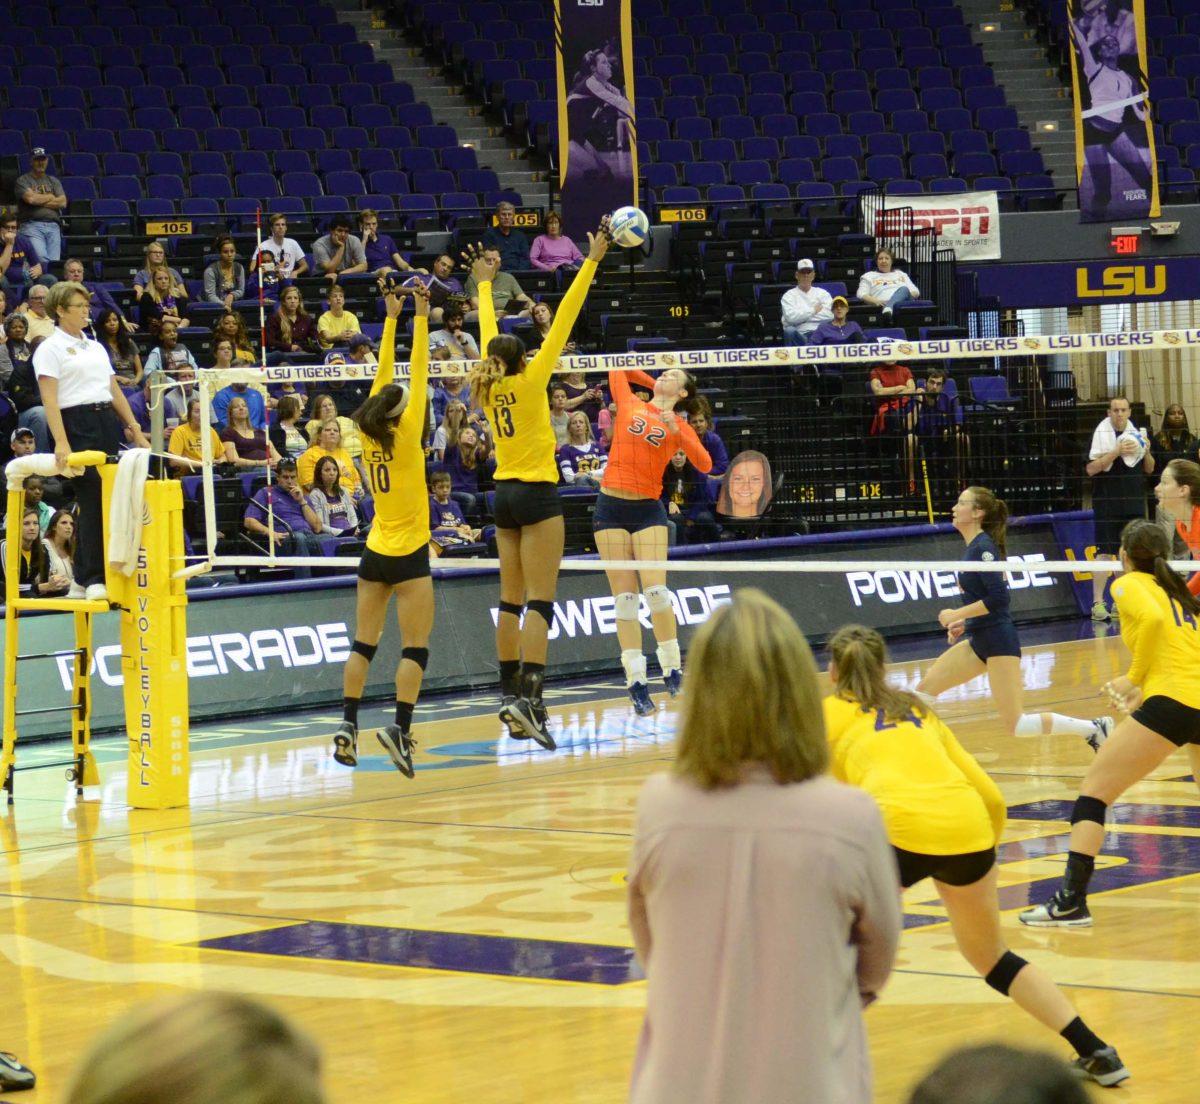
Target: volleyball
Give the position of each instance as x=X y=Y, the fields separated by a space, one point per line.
x=630 y=227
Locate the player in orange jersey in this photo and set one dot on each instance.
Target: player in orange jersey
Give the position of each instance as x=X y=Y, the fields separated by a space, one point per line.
x=630 y=521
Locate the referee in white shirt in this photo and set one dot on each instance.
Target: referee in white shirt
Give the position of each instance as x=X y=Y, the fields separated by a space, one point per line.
x=85 y=409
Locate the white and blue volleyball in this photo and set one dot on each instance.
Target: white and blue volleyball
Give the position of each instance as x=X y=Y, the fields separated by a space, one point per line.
x=629 y=226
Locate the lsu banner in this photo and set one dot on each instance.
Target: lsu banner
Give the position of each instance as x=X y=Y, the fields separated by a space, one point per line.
x=967 y=222
x=597 y=137
x=1115 y=162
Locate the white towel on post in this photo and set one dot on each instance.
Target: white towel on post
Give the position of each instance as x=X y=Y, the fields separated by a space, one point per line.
x=125 y=511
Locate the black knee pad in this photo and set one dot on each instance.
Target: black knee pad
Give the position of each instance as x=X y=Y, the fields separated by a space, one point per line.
x=544 y=609
x=367 y=651
x=1088 y=808
x=1001 y=976
x=419 y=656
x=515 y=608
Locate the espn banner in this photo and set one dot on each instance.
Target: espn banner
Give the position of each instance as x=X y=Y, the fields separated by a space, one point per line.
x=1115 y=163
x=967 y=222
x=597 y=137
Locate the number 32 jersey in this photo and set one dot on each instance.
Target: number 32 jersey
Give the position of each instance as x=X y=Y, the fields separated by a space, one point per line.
x=1162 y=637
x=642 y=445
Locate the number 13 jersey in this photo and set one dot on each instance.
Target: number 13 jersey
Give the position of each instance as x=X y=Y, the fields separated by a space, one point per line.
x=642 y=445
x=1162 y=637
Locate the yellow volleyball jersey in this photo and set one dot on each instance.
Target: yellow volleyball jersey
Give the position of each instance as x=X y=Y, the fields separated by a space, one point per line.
x=519 y=408
x=397 y=475
x=1162 y=637
x=935 y=799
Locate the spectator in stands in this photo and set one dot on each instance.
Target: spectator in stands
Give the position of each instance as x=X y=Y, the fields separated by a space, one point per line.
x=702 y=422
x=454 y=418
x=559 y=417
x=999 y=1074
x=443 y=286
x=360 y=350
x=34 y=579
x=285 y=431
x=156 y=258
x=447 y=526
x=35 y=499
x=279 y=260
x=894 y=389
x=581 y=461
x=41 y=325
x=329 y=443
x=291 y=331
x=225 y=278
x=581 y=395
x=940 y=428
x=40 y=204
x=805 y=306
x=466 y=462
x=1118 y=462
x=122 y=352
x=840 y=331
x=169 y=355
x=382 y=252
x=689 y=502
x=452 y=336
x=339 y=253
x=59 y=540
x=22 y=442
x=185 y=442
x=21 y=386
x=20 y=263
x=3 y=314
x=324 y=409
x=246 y=444
x=887 y=286
x=233 y=326
x=295 y=526
x=551 y=250
x=333 y=505
x=451 y=389
x=337 y=324
x=508 y=298
x=160 y=303
x=542 y=316
x=507 y=240
x=1174 y=440
x=256 y=405
x=102 y=299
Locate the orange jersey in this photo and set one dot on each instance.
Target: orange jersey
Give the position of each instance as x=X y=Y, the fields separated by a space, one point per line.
x=1191 y=537
x=642 y=445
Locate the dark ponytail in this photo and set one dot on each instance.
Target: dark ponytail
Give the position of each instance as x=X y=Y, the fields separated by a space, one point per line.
x=995 y=517
x=373 y=419
x=1149 y=548
x=505 y=357
x=694 y=402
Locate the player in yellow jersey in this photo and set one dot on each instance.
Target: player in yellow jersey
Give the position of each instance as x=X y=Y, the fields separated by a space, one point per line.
x=1161 y=695
x=396 y=560
x=528 y=511
x=944 y=817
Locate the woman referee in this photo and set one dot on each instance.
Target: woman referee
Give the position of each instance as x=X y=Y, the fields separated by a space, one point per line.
x=85 y=409
x=529 y=513
x=396 y=559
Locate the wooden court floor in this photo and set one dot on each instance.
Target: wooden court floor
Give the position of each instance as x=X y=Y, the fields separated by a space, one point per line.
x=462 y=937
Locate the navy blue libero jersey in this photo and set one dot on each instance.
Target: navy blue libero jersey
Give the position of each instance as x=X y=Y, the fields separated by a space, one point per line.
x=990 y=587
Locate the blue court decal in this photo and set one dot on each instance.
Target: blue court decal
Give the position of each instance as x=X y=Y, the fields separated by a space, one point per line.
x=494 y=955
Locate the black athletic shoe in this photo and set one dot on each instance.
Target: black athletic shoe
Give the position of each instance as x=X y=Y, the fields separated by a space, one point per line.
x=673 y=681
x=13 y=1075
x=509 y=717
x=535 y=721
x=643 y=704
x=399 y=746
x=1060 y=911
x=345 y=745
x=1104 y=1067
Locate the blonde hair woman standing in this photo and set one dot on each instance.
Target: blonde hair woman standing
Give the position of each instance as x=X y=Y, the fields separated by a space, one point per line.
x=762 y=896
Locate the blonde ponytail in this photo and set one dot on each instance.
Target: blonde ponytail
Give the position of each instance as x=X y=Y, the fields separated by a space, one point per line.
x=483 y=377
x=860 y=657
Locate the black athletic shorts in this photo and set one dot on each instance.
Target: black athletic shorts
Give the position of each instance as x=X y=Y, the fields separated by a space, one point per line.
x=1170 y=719
x=1000 y=639
x=375 y=567
x=955 y=870
x=519 y=503
x=631 y=514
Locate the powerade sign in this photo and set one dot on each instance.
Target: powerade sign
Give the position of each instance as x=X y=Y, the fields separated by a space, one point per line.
x=286 y=647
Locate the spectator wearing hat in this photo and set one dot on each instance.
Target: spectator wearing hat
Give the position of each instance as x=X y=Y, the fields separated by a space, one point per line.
x=339 y=253
x=20 y=261
x=360 y=350
x=22 y=442
x=40 y=203
x=507 y=240
x=839 y=331
x=804 y=307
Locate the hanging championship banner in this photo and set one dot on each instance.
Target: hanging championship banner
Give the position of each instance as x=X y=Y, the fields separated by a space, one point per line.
x=1115 y=161
x=597 y=138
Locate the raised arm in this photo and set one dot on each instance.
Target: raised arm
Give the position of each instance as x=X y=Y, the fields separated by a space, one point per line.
x=483 y=272
x=692 y=447
x=413 y=418
x=386 y=371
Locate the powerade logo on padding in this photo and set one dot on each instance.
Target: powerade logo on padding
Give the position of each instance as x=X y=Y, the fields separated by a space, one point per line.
x=590 y=616
x=916 y=585
x=220 y=653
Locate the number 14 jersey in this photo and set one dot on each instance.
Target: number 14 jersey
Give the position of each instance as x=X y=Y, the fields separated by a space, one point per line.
x=1162 y=637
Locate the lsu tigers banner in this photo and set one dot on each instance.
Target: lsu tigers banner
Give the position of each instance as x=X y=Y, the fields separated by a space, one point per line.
x=597 y=136
x=1115 y=162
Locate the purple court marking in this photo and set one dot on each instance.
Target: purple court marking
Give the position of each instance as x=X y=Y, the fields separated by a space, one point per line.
x=498 y=955
x=1161 y=816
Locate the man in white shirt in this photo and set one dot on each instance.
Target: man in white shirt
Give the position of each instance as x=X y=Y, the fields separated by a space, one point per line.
x=280 y=257
x=804 y=307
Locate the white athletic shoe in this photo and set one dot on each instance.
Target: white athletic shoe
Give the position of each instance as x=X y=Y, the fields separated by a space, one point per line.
x=1101 y=730
x=97 y=592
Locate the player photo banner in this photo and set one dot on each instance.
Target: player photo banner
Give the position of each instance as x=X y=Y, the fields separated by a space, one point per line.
x=1115 y=161
x=597 y=136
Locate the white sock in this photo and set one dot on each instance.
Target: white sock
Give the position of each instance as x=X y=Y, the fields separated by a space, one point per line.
x=1029 y=724
x=1069 y=726
x=668 y=656
x=635 y=665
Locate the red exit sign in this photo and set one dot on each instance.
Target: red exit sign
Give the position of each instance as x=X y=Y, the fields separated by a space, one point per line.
x=1126 y=241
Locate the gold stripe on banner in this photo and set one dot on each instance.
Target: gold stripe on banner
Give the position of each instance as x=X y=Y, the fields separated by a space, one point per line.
x=1139 y=22
x=630 y=91
x=1136 y=341
x=564 y=133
